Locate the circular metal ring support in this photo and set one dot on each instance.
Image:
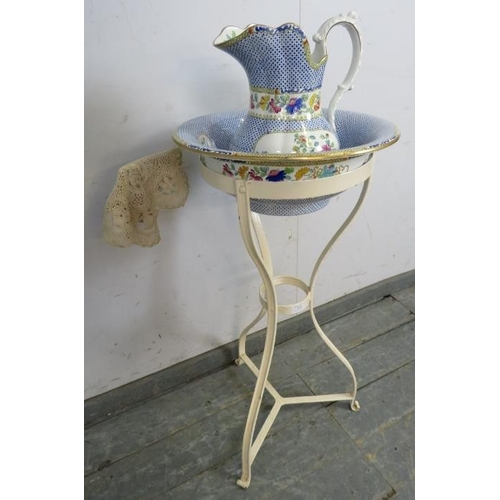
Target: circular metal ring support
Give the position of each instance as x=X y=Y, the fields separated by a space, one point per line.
x=295 y=308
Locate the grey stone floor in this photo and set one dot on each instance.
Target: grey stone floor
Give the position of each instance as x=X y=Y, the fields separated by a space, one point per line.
x=186 y=444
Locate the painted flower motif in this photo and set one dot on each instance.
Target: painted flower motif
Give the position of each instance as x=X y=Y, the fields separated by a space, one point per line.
x=314 y=102
x=264 y=100
x=327 y=171
x=326 y=147
x=226 y=171
x=294 y=105
x=316 y=172
x=301 y=172
x=259 y=173
x=277 y=102
x=276 y=176
x=254 y=176
x=273 y=106
x=242 y=171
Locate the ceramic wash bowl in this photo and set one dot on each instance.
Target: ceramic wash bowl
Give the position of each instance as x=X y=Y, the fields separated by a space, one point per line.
x=359 y=134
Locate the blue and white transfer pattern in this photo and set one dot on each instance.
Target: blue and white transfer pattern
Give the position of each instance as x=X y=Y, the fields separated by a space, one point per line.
x=285 y=85
x=356 y=131
x=276 y=58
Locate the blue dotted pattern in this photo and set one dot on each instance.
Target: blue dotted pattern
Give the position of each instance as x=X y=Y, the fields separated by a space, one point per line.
x=357 y=129
x=276 y=59
x=353 y=129
x=288 y=208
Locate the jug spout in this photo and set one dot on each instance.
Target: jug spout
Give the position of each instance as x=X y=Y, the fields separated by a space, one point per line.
x=226 y=34
x=285 y=114
x=273 y=58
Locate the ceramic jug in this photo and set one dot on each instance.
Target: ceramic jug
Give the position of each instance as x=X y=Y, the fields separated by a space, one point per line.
x=285 y=113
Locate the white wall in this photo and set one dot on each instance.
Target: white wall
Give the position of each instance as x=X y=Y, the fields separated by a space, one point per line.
x=150 y=65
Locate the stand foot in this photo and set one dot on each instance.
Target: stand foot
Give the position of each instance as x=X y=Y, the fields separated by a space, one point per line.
x=239 y=362
x=355 y=406
x=243 y=484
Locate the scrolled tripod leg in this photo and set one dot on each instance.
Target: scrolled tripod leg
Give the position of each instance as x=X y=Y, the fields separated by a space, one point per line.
x=265 y=270
x=354 y=404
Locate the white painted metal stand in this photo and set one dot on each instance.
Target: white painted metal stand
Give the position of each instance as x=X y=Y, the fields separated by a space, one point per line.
x=256 y=244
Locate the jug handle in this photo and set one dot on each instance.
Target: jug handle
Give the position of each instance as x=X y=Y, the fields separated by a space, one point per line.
x=320 y=51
